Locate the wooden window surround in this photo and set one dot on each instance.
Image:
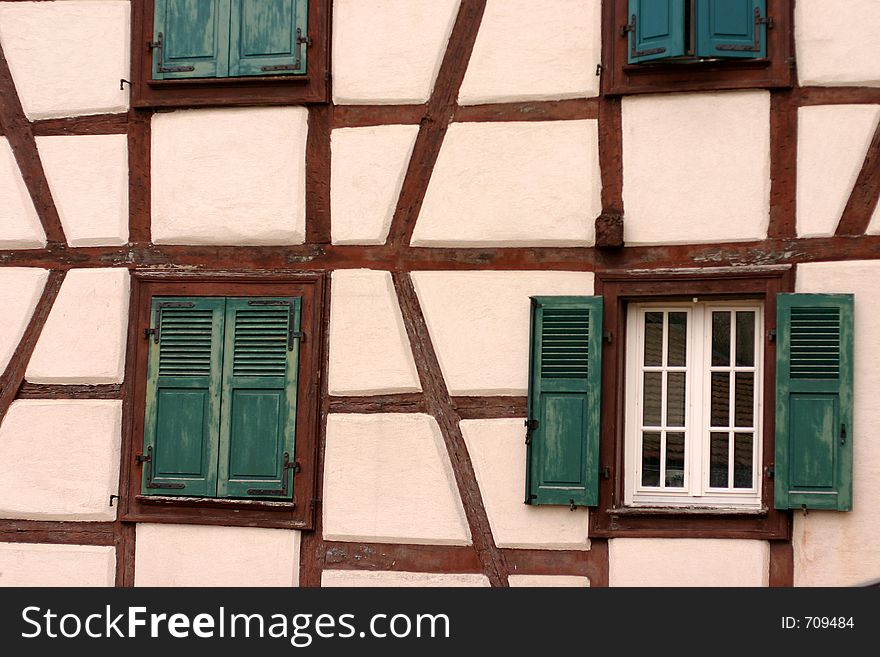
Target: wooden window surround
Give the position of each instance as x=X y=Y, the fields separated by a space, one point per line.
x=619 y=77
x=298 y=514
x=313 y=87
x=612 y=519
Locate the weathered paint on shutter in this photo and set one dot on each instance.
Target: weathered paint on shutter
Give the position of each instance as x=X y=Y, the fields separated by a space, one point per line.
x=565 y=367
x=814 y=401
x=258 y=419
x=656 y=30
x=267 y=37
x=190 y=39
x=183 y=397
x=731 y=28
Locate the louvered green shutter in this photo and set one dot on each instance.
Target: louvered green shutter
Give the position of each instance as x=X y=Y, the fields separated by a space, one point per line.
x=656 y=30
x=731 y=28
x=190 y=39
x=257 y=425
x=183 y=397
x=814 y=401
x=267 y=37
x=565 y=368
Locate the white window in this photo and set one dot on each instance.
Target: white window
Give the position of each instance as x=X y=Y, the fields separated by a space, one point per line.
x=693 y=404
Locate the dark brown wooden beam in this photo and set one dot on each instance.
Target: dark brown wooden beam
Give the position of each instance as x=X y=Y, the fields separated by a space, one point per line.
x=362 y=116
x=124 y=539
x=865 y=193
x=328 y=257
x=413 y=402
x=96 y=124
x=42 y=391
x=57 y=532
x=783 y=164
x=433 y=127
x=538 y=110
x=13 y=377
x=17 y=130
x=440 y=406
x=410 y=558
x=139 y=176
x=479 y=408
x=318 y=175
x=781 y=564
x=837 y=96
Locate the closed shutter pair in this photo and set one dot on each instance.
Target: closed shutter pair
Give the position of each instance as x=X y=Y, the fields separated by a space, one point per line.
x=814 y=401
x=220 y=414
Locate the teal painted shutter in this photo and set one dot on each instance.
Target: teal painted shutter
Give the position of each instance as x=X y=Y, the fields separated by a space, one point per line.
x=656 y=30
x=183 y=397
x=190 y=39
x=814 y=401
x=267 y=37
x=565 y=369
x=257 y=425
x=731 y=28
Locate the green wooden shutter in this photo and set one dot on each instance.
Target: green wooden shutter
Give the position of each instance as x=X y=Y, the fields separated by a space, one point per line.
x=656 y=30
x=183 y=397
x=564 y=394
x=731 y=28
x=814 y=401
x=268 y=37
x=258 y=419
x=190 y=39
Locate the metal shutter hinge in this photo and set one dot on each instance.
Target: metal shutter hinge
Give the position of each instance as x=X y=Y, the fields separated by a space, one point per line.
x=531 y=425
x=771 y=335
x=160 y=66
x=140 y=459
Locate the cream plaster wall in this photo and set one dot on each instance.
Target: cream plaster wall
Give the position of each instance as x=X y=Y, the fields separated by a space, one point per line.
x=833 y=548
x=59 y=459
x=483 y=318
x=527 y=50
x=369 y=348
x=688 y=562
x=196 y=555
x=389 y=51
x=834 y=42
x=832 y=142
x=513 y=184
x=88 y=176
x=387 y=479
x=37 y=564
x=364 y=578
x=229 y=176
x=548 y=581
x=20 y=290
x=696 y=167
x=20 y=226
x=368 y=166
x=83 y=340
x=67 y=57
x=498 y=452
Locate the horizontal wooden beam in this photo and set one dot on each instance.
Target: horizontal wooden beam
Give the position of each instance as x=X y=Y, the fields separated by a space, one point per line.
x=97 y=124
x=400 y=403
x=41 y=391
x=57 y=532
x=478 y=408
x=547 y=110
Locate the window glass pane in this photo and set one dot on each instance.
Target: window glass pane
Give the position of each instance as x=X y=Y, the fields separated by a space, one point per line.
x=718 y=460
x=675 y=382
x=744 y=398
x=720 y=415
x=720 y=338
x=650 y=458
x=745 y=338
x=653 y=339
x=675 y=459
x=742 y=460
x=652 y=399
x=676 y=350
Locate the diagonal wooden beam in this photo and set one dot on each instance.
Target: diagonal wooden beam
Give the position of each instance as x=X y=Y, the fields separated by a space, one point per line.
x=438 y=114
x=18 y=130
x=439 y=404
x=13 y=377
x=865 y=194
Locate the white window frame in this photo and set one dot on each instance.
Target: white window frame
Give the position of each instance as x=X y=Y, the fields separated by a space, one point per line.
x=696 y=491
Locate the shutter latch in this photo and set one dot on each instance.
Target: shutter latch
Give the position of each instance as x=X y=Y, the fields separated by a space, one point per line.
x=531 y=425
x=140 y=459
